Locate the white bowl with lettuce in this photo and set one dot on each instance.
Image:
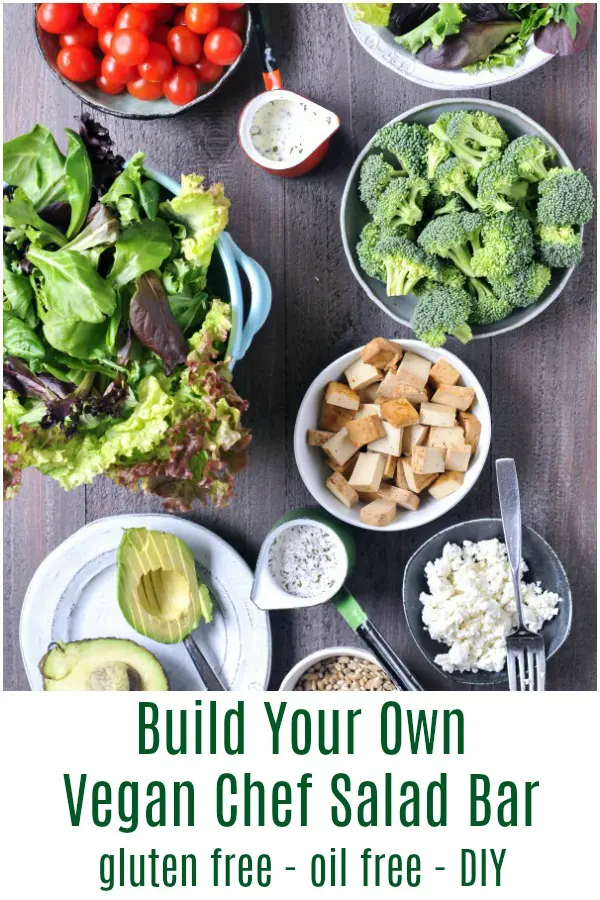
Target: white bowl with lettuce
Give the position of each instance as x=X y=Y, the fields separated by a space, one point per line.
x=463 y=47
x=121 y=322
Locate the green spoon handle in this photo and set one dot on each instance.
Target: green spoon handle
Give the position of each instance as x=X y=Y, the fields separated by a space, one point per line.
x=350 y=609
x=209 y=678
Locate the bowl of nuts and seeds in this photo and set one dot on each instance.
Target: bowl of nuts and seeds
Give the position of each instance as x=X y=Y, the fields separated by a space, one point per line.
x=337 y=669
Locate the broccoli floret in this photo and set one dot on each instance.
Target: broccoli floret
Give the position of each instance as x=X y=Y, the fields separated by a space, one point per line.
x=441 y=311
x=486 y=307
x=452 y=177
x=499 y=188
x=375 y=175
x=435 y=29
x=408 y=143
x=436 y=154
x=559 y=248
x=405 y=265
x=566 y=198
x=465 y=129
x=400 y=203
x=438 y=205
x=507 y=241
x=490 y=126
x=529 y=154
x=525 y=286
x=475 y=158
x=369 y=261
x=451 y=276
x=454 y=237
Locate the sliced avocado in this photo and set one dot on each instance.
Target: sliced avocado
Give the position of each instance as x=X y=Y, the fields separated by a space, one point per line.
x=102 y=664
x=158 y=588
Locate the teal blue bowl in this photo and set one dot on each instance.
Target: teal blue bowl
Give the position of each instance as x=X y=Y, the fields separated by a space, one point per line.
x=224 y=276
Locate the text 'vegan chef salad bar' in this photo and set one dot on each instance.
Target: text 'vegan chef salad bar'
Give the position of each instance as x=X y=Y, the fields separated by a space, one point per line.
x=124 y=315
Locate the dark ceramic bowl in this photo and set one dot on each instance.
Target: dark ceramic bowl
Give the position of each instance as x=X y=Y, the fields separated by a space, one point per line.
x=124 y=105
x=544 y=566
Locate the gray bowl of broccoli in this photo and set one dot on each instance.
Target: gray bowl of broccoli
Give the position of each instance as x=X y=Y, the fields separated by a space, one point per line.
x=454 y=213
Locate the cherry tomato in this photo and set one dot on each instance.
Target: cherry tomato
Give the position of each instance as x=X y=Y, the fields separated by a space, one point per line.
x=145 y=90
x=181 y=86
x=82 y=34
x=105 y=36
x=160 y=34
x=207 y=72
x=179 y=17
x=231 y=5
x=185 y=46
x=117 y=71
x=100 y=15
x=202 y=17
x=129 y=46
x=76 y=63
x=149 y=6
x=107 y=86
x=136 y=19
x=234 y=19
x=164 y=12
x=223 y=46
x=57 y=18
x=158 y=64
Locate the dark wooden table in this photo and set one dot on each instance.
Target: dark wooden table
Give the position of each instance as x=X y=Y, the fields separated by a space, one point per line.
x=540 y=380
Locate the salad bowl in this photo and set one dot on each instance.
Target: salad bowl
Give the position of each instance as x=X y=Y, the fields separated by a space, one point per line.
x=354 y=214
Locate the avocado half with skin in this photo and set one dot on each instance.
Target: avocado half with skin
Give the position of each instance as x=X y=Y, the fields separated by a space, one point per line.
x=158 y=589
x=102 y=664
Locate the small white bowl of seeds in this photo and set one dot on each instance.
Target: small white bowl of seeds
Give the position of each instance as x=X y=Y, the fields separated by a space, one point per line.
x=337 y=669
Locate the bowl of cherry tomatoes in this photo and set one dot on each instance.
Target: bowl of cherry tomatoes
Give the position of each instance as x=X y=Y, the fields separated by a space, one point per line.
x=143 y=60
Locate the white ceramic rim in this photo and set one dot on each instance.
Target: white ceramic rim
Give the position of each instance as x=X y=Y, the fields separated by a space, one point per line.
x=406 y=65
x=532 y=311
x=295 y=674
x=437 y=508
x=247 y=117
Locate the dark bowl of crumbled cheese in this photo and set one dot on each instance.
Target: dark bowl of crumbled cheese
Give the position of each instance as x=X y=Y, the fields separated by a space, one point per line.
x=337 y=669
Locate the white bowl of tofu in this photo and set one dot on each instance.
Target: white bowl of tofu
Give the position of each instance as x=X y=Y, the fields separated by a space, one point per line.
x=392 y=435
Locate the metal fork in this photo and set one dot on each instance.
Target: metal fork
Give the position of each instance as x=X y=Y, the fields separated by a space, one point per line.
x=525 y=651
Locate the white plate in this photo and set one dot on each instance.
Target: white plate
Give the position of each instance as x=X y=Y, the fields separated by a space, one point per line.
x=73 y=595
x=380 y=43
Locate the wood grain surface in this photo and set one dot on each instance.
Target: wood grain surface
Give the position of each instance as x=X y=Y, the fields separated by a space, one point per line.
x=540 y=380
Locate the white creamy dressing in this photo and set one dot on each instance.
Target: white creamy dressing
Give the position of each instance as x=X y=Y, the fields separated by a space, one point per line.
x=305 y=561
x=286 y=130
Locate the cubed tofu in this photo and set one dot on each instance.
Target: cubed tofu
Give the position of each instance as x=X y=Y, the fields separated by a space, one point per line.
x=378 y=513
x=446 y=484
x=458 y=458
x=339 y=448
x=455 y=395
x=399 y=413
x=346 y=469
x=412 y=394
x=338 y=394
x=390 y=468
x=368 y=394
x=368 y=409
x=368 y=472
x=426 y=460
x=400 y=478
x=381 y=353
x=416 y=482
x=386 y=388
x=317 y=438
x=368 y=496
x=365 y=430
x=334 y=417
x=412 y=437
x=360 y=375
x=391 y=442
x=404 y=498
x=437 y=414
x=340 y=488
x=472 y=429
x=443 y=373
x=414 y=370
x=445 y=437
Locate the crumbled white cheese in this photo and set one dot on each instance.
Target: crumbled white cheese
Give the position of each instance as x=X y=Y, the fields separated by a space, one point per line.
x=471 y=605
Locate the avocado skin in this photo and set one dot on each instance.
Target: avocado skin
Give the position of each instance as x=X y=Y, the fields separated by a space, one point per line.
x=68 y=666
x=157 y=586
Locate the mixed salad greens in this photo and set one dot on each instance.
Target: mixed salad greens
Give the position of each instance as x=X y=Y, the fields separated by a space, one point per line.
x=474 y=36
x=468 y=220
x=114 y=348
